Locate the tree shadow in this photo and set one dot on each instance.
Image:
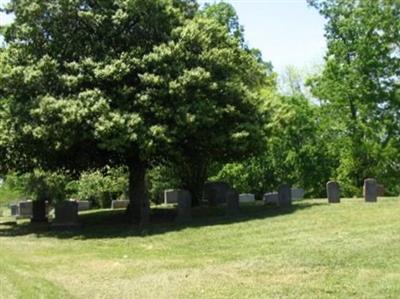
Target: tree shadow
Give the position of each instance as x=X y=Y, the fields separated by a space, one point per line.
x=113 y=223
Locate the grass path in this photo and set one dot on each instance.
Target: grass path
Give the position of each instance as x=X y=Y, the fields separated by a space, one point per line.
x=315 y=251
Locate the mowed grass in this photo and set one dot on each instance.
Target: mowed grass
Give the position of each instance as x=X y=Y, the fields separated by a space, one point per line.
x=313 y=250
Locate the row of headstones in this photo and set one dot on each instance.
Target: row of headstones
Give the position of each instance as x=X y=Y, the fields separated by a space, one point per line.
x=66 y=212
x=371 y=191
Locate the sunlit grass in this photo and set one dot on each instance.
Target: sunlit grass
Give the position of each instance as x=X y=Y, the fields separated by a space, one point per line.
x=314 y=250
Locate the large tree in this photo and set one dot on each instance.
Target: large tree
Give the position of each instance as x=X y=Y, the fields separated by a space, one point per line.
x=359 y=84
x=135 y=82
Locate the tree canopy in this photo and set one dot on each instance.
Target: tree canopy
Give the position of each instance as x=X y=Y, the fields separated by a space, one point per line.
x=85 y=84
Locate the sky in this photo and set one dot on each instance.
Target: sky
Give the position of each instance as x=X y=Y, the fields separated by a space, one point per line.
x=288 y=32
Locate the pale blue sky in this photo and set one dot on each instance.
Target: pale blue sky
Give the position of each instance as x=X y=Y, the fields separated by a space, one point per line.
x=288 y=32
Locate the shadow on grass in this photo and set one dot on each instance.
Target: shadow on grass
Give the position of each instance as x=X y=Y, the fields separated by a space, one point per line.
x=113 y=223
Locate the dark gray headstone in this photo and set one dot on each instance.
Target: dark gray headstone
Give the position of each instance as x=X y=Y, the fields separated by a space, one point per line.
x=284 y=196
x=333 y=192
x=171 y=196
x=83 y=205
x=232 y=204
x=271 y=198
x=39 y=211
x=14 y=209
x=66 y=214
x=184 y=199
x=215 y=193
x=24 y=209
x=371 y=190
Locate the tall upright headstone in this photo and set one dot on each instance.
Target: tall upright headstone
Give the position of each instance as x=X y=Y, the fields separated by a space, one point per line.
x=333 y=192
x=284 y=196
x=232 y=202
x=371 y=190
x=184 y=199
x=39 y=211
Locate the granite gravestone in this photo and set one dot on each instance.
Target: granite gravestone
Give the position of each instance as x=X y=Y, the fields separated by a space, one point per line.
x=297 y=193
x=215 y=193
x=232 y=203
x=119 y=204
x=39 y=211
x=284 y=196
x=371 y=190
x=333 y=192
x=171 y=196
x=184 y=199
x=83 y=205
x=247 y=197
x=24 y=209
x=271 y=198
x=66 y=214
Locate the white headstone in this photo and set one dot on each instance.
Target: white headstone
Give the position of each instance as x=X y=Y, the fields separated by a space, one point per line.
x=297 y=193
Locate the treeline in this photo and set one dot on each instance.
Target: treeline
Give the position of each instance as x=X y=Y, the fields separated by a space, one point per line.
x=167 y=94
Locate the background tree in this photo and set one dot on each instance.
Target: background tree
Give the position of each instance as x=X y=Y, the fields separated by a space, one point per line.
x=358 y=86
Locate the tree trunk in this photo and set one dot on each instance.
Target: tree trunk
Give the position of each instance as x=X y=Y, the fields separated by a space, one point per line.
x=196 y=175
x=139 y=208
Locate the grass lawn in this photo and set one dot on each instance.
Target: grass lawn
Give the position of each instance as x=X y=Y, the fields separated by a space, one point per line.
x=313 y=250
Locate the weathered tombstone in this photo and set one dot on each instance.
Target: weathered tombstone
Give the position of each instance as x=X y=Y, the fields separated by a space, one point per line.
x=66 y=214
x=39 y=211
x=119 y=204
x=247 y=197
x=171 y=196
x=333 y=192
x=297 y=193
x=284 y=196
x=24 y=209
x=14 y=209
x=83 y=205
x=232 y=203
x=215 y=193
x=271 y=198
x=184 y=199
x=371 y=190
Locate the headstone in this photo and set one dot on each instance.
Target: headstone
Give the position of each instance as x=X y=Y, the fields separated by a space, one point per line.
x=39 y=211
x=171 y=196
x=119 y=204
x=14 y=209
x=247 y=197
x=380 y=190
x=271 y=198
x=215 y=193
x=184 y=199
x=232 y=204
x=66 y=214
x=83 y=205
x=297 y=193
x=24 y=209
x=284 y=196
x=333 y=192
x=371 y=190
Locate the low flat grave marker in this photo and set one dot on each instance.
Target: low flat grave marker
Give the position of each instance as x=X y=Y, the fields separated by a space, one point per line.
x=246 y=197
